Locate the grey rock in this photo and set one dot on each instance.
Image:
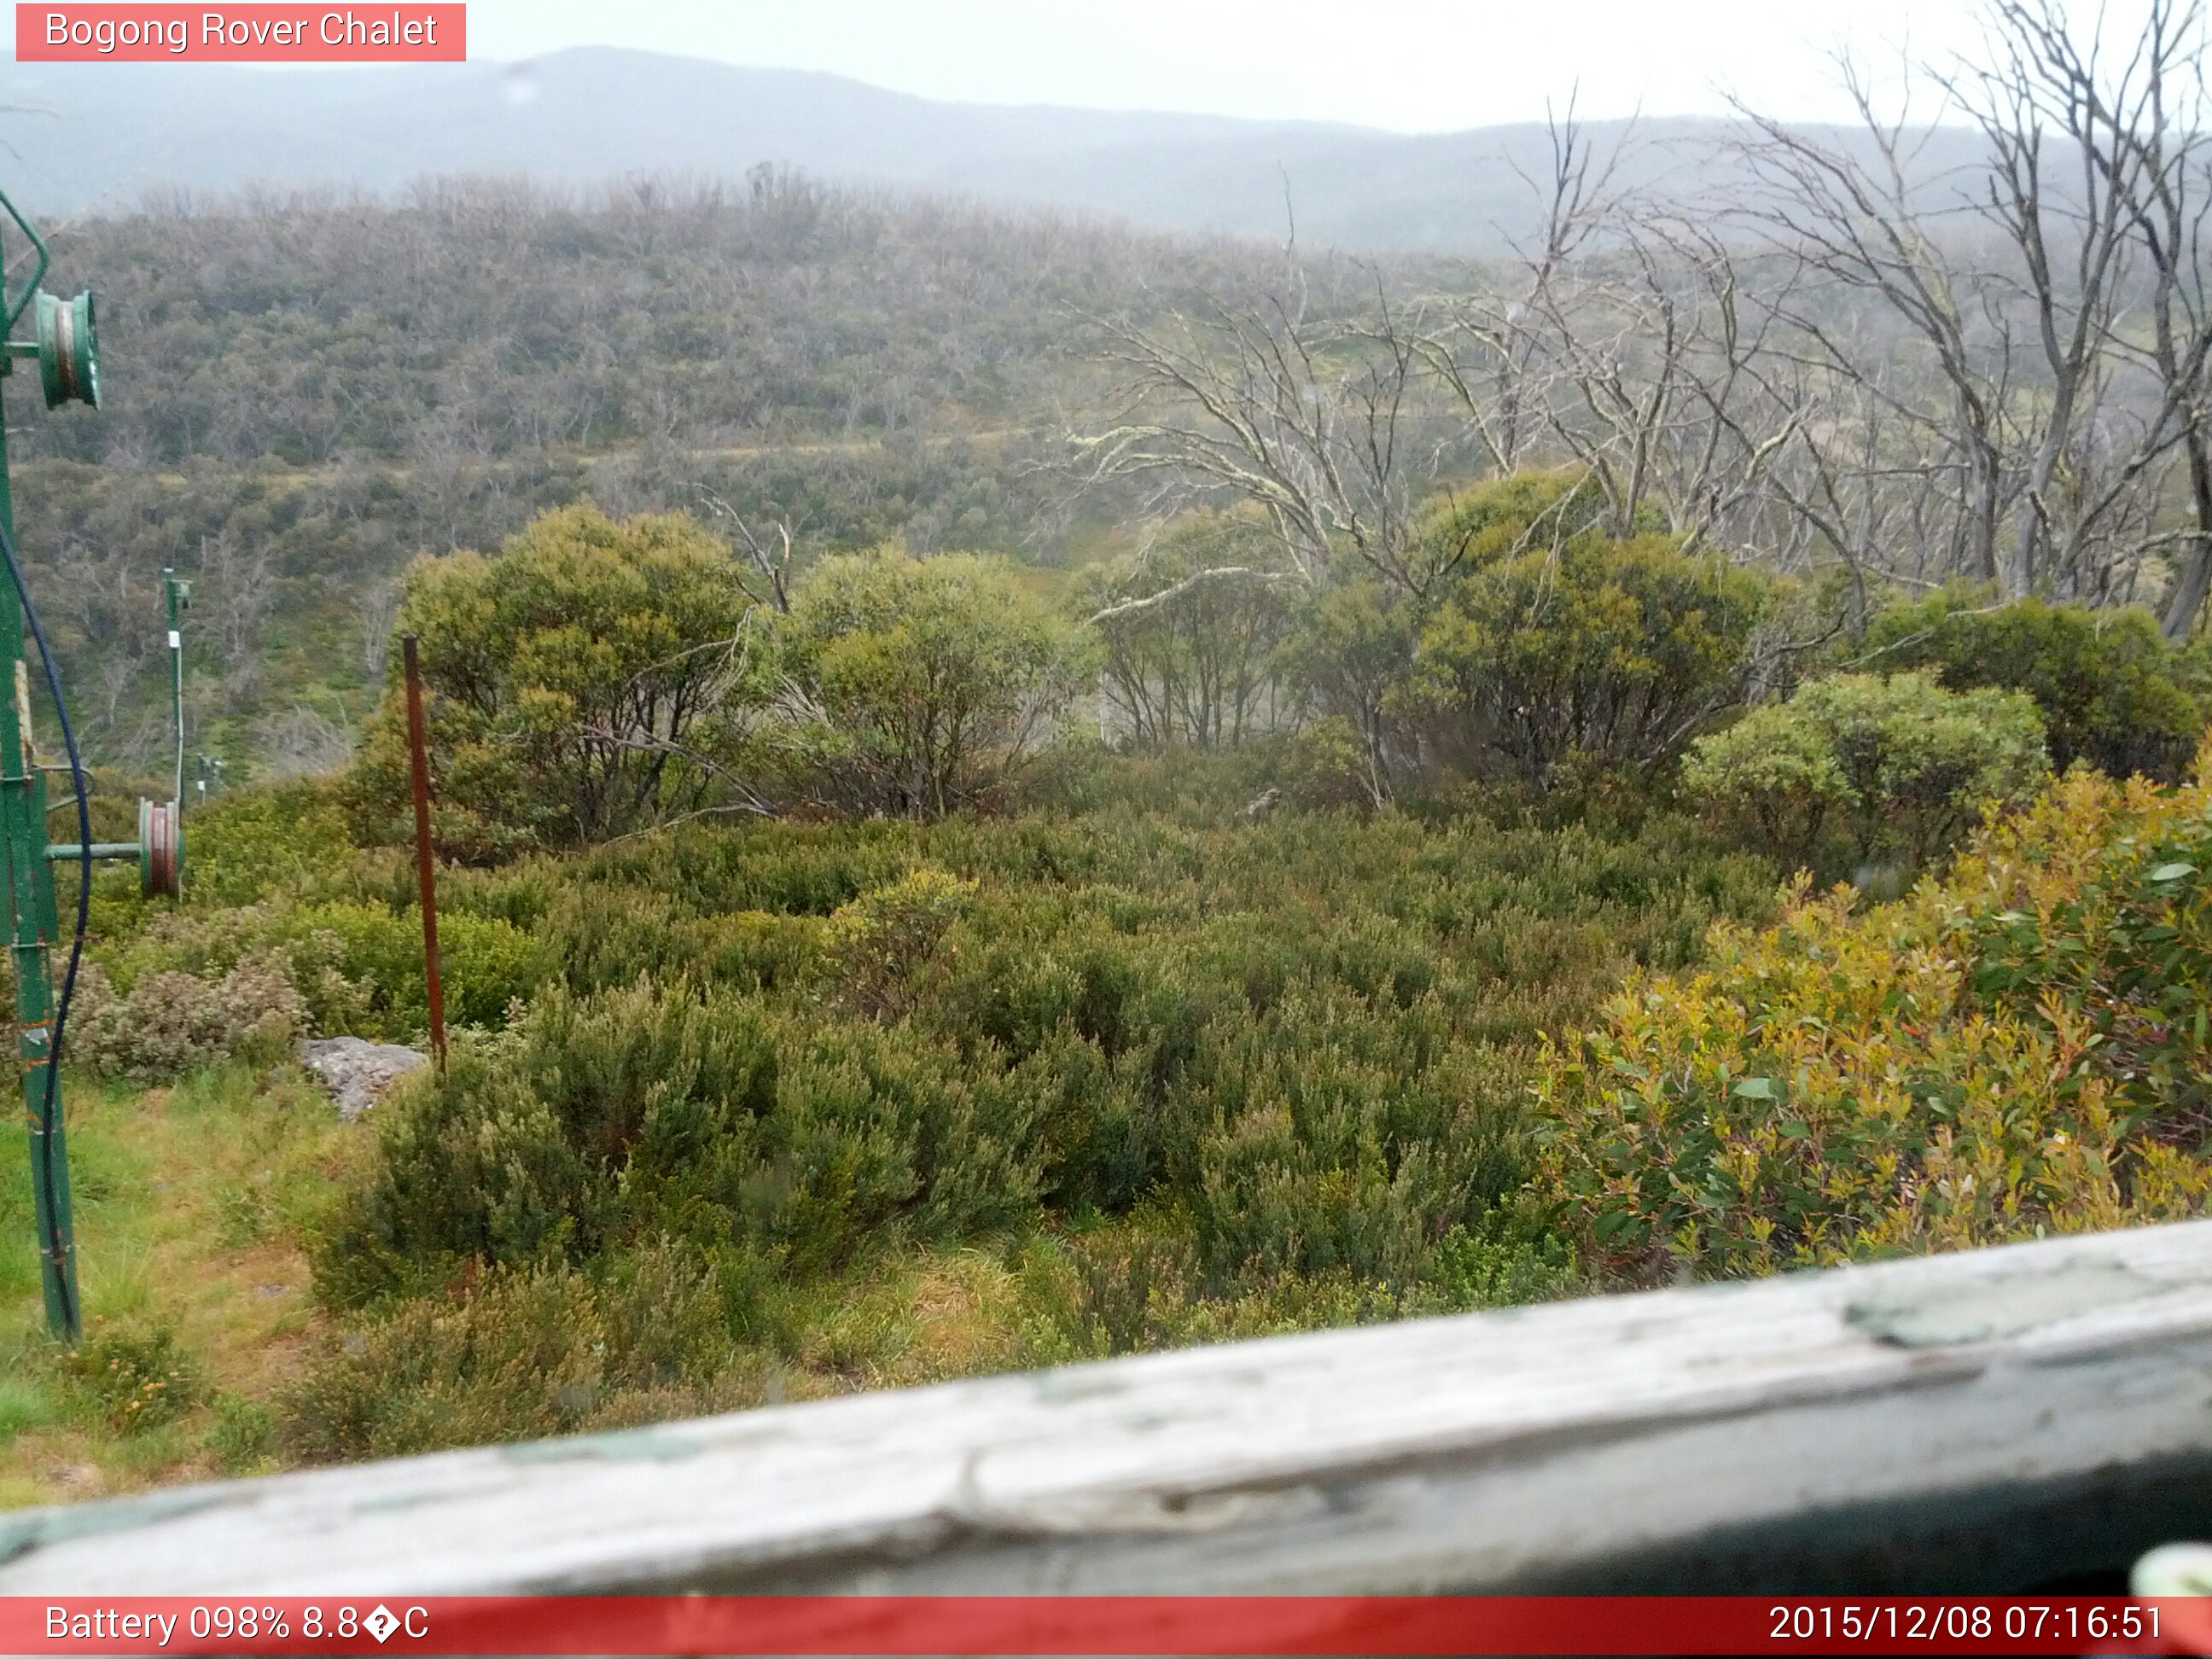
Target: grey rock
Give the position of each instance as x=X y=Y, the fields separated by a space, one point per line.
x=356 y=1072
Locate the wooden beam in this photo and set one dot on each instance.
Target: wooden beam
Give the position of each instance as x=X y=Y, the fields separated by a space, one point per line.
x=1982 y=1421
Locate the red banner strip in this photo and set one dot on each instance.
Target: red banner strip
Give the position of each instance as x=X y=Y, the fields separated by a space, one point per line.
x=299 y=34
x=1130 y=1626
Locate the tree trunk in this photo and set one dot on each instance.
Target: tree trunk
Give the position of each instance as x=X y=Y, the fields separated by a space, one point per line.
x=2193 y=578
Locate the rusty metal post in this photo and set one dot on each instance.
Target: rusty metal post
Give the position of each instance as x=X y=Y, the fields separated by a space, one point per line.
x=425 y=869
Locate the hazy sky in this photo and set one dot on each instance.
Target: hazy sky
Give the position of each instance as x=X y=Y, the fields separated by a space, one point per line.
x=1413 y=65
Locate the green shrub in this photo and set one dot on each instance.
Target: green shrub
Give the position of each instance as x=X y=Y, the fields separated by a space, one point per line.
x=755 y=950
x=652 y=1108
x=1502 y=517
x=523 y=1355
x=602 y=935
x=2111 y=690
x=1115 y=1131
x=537 y=1146
x=486 y=963
x=1192 y=789
x=349 y=966
x=1897 y=766
x=650 y=1079
x=885 y=1135
x=598 y=936
x=533 y=665
x=1130 y=1288
x=1350 y=1148
x=244 y=1439
x=1509 y=1260
x=1205 y=1077
x=1326 y=765
x=470 y=1168
x=1133 y=1287
x=1561 y=646
x=787 y=868
x=929 y=683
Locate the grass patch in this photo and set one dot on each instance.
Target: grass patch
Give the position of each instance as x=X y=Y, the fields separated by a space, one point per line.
x=195 y=1315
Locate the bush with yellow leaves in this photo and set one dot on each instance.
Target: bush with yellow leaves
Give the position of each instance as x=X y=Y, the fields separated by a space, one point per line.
x=136 y=1376
x=2019 y=1047
x=878 y=944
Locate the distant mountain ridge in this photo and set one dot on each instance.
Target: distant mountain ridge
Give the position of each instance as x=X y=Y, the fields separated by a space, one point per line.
x=96 y=137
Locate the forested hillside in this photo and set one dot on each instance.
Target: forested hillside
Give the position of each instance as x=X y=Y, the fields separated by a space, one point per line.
x=1876 y=361
x=303 y=395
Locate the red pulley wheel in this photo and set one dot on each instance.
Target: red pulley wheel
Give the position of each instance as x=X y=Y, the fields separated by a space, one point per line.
x=160 y=849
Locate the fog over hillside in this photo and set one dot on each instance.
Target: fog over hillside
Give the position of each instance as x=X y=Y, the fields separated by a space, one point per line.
x=99 y=137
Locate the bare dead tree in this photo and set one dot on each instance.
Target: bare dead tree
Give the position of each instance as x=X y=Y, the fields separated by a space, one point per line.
x=1623 y=342
x=2145 y=135
x=2061 y=188
x=238 y=595
x=380 y=615
x=1308 y=418
x=1656 y=395
x=771 y=564
x=301 y=742
x=1123 y=609
x=1485 y=347
x=1857 y=227
x=103 y=599
x=2053 y=291
x=1866 y=477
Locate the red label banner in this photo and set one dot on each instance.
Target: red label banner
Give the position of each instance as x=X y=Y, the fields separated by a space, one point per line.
x=1126 y=1626
x=261 y=34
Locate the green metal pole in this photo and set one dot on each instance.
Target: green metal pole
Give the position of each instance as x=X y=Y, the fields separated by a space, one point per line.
x=174 y=590
x=34 y=925
x=69 y=851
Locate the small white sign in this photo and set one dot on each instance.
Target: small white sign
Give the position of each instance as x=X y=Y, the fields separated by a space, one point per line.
x=176 y=641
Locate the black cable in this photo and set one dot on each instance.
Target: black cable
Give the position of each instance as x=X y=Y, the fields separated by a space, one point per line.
x=50 y=1109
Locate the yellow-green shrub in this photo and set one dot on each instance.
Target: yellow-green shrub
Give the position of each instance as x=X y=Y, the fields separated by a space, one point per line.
x=577 y=628
x=486 y=963
x=880 y=942
x=2014 y=1048
x=2111 y=690
x=1560 y=644
x=243 y=846
x=1896 y=767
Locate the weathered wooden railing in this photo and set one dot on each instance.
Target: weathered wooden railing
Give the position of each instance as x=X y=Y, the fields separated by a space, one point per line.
x=2004 y=1420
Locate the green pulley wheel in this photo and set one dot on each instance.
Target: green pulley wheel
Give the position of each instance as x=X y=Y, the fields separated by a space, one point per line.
x=69 y=350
